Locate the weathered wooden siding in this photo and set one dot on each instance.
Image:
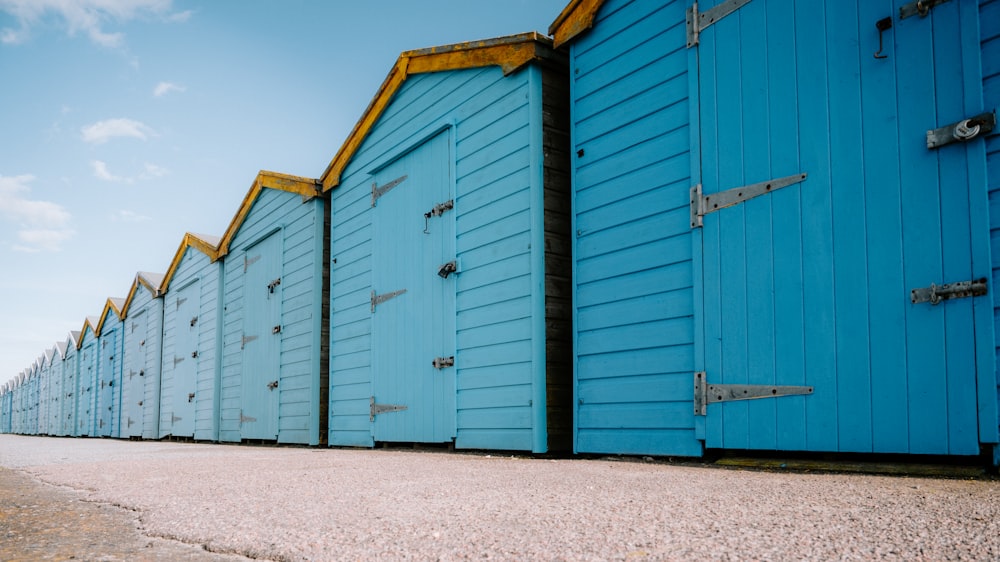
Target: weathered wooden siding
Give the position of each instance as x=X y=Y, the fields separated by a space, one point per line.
x=143 y=359
x=299 y=226
x=989 y=21
x=69 y=387
x=498 y=364
x=634 y=282
x=87 y=384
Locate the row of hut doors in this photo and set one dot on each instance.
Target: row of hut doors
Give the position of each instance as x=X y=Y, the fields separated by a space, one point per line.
x=414 y=300
x=845 y=235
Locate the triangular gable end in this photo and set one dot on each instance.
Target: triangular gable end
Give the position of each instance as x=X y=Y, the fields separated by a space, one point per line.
x=151 y=281
x=306 y=187
x=90 y=323
x=111 y=305
x=208 y=245
x=509 y=53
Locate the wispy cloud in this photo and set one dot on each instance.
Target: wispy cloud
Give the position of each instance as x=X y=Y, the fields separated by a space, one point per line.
x=124 y=215
x=42 y=225
x=164 y=88
x=87 y=17
x=103 y=131
x=149 y=171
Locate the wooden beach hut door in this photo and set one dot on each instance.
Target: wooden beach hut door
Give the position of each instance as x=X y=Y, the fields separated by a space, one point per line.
x=105 y=414
x=186 y=331
x=413 y=297
x=845 y=237
x=135 y=375
x=261 y=339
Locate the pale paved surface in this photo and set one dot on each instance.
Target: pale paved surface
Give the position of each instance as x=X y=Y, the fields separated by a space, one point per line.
x=322 y=504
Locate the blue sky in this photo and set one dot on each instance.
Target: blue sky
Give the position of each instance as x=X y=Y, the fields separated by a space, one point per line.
x=126 y=123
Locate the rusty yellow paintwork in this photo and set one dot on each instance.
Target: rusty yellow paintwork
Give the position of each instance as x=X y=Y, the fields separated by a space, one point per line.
x=509 y=53
x=306 y=187
x=153 y=286
x=575 y=18
x=88 y=322
x=114 y=305
x=204 y=244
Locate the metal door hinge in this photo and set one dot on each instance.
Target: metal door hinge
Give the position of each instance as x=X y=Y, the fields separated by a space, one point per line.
x=705 y=394
x=246 y=340
x=248 y=261
x=919 y=8
x=245 y=419
x=130 y=422
x=379 y=299
x=702 y=205
x=937 y=293
x=380 y=191
x=177 y=360
x=376 y=409
x=442 y=362
x=696 y=22
x=180 y=302
x=174 y=419
x=448 y=268
x=964 y=130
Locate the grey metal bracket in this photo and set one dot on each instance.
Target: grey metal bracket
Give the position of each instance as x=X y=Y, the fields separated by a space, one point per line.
x=698 y=21
x=919 y=8
x=245 y=419
x=702 y=205
x=246 y=340
x=247 y=262
x=379 y=299
x=705 y=394
x=177 y=360
x=376 y=409
x=181 y=301
x=380 y=191
x=937 y=293
x=964 y=130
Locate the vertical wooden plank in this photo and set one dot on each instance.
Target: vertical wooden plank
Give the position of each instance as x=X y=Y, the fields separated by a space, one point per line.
x=849 y=236
x=761 y=422
x=922 y=250
x=817 y=241
x=783 y=111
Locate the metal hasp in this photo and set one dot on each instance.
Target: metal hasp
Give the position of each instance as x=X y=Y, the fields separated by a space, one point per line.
x=376 y=409
x=964 y=130
x=920 y=8
x=379 y=299
x=437 y=211
x=272 y=385
x=380 y=191
x=703 y=205
x=696 y=22
x=272 y=285
x=937 y=293
x=447 y=269
x=705 y=394
x=442 y=362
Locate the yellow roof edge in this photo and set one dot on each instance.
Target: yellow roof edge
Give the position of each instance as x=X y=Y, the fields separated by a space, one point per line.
x=83 y=331
x=306 y=187
x=113 y=304
x=139 y=278
x=510 y=53
x=190 y=240
x=577 y=17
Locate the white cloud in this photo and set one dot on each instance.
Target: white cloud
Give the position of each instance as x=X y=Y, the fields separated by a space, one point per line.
x=101 y=172
x=149 y=171
x=164 y=88
x=125 y=215
x=86 y=16
x=43 y=225
x=103 y=131
x=153 y=171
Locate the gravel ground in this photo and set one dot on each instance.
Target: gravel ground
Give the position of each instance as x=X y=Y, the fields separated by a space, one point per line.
x=332 y=504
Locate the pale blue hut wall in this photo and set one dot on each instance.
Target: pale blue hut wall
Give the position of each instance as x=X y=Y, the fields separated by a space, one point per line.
x=196 y=278
x=87 y=385
x=109 y=374
x=634 y=277
x=284 y=234
x=69 y=387
x=42 y=407
x=53 y=415
x=141 y=371
x=493 y=127
x=5 y=409
x=989 y=21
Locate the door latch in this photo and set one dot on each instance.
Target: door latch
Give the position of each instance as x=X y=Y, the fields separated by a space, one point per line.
x=447 y=269
x=442 y=362
x=437 y=211
x=273 y=284
x=272 y=385
x=276 y=329
x=190 y=396
x=964 y=130
x=937 y=293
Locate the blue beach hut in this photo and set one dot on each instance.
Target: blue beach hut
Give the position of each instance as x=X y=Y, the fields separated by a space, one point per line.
x=109 y=369
x=190 y=367
x=274 y=363
x=6 y=406
x=87 y=382
x=67 y=411
x=56 y=394
x=782 y=226
x=142 y=341
x=450 y=257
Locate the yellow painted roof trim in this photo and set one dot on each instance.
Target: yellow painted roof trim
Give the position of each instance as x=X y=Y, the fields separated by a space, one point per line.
x=306 y=187
x=575 y=18
x=207 y=245
x=509 y=53
x=151 y=281
x=111 y=305
x=89 y=322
